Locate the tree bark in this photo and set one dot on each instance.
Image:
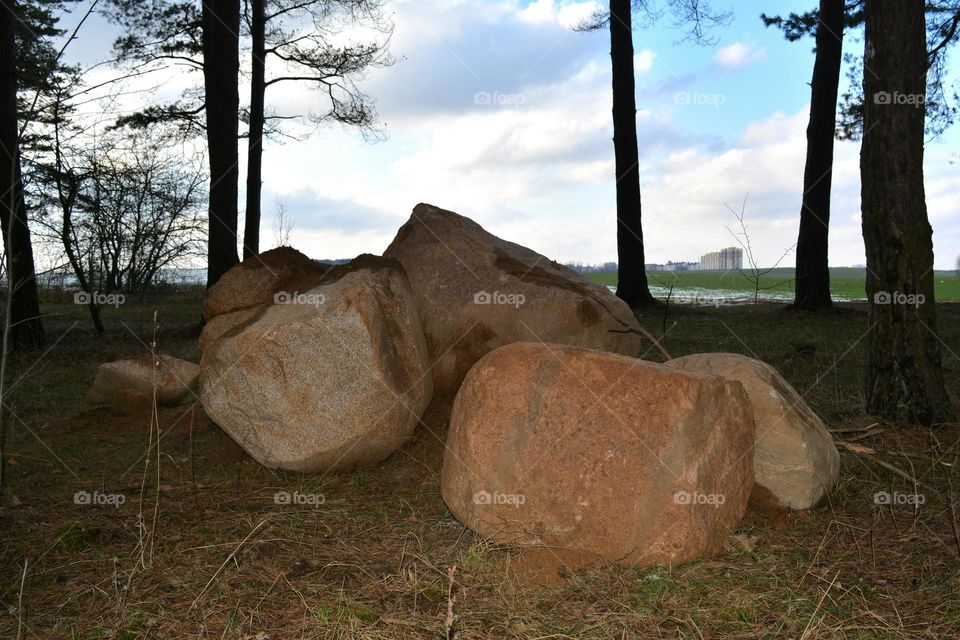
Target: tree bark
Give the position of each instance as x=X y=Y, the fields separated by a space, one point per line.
x=904 y=367
x=258 y=87
x=26 y=328
x=221 y=68
x=812 y=267
x=632 y=285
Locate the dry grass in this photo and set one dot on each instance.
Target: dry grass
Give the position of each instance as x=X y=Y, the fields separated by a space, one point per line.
x=374 y=560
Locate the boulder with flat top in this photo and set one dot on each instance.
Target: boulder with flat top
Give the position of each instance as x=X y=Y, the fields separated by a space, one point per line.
x=476 y=292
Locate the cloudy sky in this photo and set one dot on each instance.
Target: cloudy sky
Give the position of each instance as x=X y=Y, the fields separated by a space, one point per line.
x=498 y=110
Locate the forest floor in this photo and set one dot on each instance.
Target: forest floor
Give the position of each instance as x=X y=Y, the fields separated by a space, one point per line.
x=199 y=548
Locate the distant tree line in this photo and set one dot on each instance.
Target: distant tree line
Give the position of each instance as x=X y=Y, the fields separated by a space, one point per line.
x=606 y=267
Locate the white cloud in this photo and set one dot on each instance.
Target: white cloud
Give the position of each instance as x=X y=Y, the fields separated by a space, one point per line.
x=451 y=51
x=566 y=14
x=739 y=54
x=643 y=60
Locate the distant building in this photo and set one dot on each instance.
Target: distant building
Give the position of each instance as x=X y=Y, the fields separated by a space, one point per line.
x=672 y=266
x=723 y=260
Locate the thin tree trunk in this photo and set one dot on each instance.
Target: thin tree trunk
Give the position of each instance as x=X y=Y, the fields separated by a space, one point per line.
x=904 y=367
x=26 y=328
x=66 y=238
x=632 y=284
x=251 y=230
x=812 y=272
x=221 y=68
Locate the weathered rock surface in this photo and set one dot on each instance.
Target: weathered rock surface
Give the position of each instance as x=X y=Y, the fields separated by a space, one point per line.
x=476 y=292
x=597 y=453
x=334 y=377
x=796 y=462
x=175 y=379
x=221 y=324
x=256 y=280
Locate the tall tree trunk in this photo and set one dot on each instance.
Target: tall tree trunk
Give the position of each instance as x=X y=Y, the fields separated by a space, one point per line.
x=812 y=272
x=632 y=284
x=221 y=68
x=904 y=374
x=251 y=229
x=26 y=328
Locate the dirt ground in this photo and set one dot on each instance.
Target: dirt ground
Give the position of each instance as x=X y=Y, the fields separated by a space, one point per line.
x=107 y=535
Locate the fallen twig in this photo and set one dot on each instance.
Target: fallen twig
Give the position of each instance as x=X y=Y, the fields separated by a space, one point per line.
x=450 y=623
x=819 y=604
x=23 y=579
x=228 y=559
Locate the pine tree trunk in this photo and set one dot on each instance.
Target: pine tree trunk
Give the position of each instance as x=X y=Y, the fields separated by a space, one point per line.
x=251 y=230
x=632 y=285
x=904 y=376
x=26 y=328
x=221 y=67
x=812 y=267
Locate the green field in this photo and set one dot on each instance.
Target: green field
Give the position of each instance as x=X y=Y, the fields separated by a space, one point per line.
x=845 y=282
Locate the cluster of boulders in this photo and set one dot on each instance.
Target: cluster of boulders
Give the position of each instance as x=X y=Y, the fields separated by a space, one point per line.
x=627 y=460
x=560 y=435
x=313 y=367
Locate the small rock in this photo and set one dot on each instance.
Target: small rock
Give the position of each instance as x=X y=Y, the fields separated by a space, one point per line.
x=174 y=379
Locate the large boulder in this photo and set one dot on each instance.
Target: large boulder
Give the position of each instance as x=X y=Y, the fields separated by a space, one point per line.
x=333 y=377
x=476 y=292
x=175 y=379
x=256 y=281
x=795 y=460
x=275 y=276
x=599 y=454
x=221 y=324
